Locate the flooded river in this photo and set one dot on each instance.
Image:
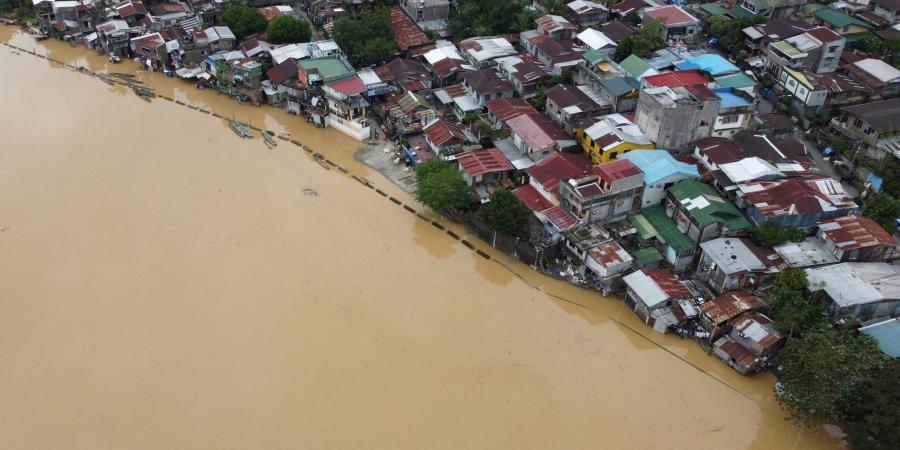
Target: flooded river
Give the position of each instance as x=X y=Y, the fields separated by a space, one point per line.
x=166 y=285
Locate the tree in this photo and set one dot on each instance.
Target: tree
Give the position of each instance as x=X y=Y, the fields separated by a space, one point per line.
x=650 y=38
x=243 y=20
x=553 y=7
x=288 y=29
x=876 y=425
x=444 y=190
x=794 y=314
x=883 y=209
x=366 y=37
x=505 y=213
x=823 y=372
x=632 y=18
x=539 y=101
x=485 y=18
x=770 y=234
x=525 y=19
x=425 y=169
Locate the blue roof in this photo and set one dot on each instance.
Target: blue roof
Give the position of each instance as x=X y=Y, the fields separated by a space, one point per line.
x=887 y=334
x=659 y=164
x=729 y=99
x=710 y=62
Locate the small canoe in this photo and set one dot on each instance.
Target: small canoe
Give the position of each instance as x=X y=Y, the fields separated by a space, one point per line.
x=269 y=139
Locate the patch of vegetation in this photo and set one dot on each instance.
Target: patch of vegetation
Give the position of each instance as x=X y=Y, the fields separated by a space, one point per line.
x=366 y=37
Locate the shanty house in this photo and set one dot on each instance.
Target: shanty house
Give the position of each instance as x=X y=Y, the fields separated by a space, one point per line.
x=701 y=213
x=729 y=264
x=795 y=203
x=447 y=139
x=857 y=238
x=752 y=340
x=716 y=314
x=856 y=290
x=659 y=298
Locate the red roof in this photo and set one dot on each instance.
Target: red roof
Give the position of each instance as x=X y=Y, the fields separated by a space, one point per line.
x=672 y=14
x=677 y=79
x=288 y=69
x=854 y=232
x=406 y=33
x=480 y=162
x=532 y=198
x=792 y=197
x=130 y=9
x=537 y=130
x=701 y=92
x=167 y=8
x=446 y=67
x=719 y=150
x=616 y=170
x=824 y=34
x=666 y=280
x=505 y=108
x=440 y=132
x=558 y=166
x=348 y=86
x=627 y=6
x=730 y=305
x=562 y=220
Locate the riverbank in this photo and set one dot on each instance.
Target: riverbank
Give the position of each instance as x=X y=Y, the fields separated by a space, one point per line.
x=185 y=291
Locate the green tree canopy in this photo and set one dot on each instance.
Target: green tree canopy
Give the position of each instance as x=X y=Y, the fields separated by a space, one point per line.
x=443 y=190
x=875 y=422
x=485 y=18
x=794 y=314
x=824 y=372
x=650 y=38
x=243 y=20
x=883 y=209
x=730 y=32
x=366 y=37
x=770 y=234
x=553 y=7
x=425 y=169
x=288 y=29
x=505 y=213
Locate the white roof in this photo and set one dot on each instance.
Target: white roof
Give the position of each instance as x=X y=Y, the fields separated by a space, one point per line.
x=752 y=33
x=617 y=124
x=216 y=33
x=808 y=253
x=747 y=169
x=285 y=52
x=595 y=40
x=466 y=103
x=582 y=6
x=855 y=283
x=441 y=53
x=368 y=77
x=327 y=45
x=284 y=8
x=645 y=288
x=879 y=69
x=491 y=48
x=731 y=255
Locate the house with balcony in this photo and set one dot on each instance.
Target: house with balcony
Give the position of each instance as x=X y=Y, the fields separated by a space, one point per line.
x=701 y=213
x=347 y=106
x=873 y=127
x=680 y=25
x=758 y=37
x=114 y=37
x=609 y=193
x=817 y=50
x=587 y=13
x=735 y=112
x=728 y=264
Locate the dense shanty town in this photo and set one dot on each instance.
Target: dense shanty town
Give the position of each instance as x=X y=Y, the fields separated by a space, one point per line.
x=729 y=169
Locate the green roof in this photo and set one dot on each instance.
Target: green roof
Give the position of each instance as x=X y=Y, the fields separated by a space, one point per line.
x=647 y=255
x=643 y=226
x=705 y=205
x=635 y=65
x=595 y=57
x=667 y=230
x=737 y=81
x=838 y=19
x=714 y=9
x=328 y=67
x=739 y=12
x=787 y=48
x=621 y=85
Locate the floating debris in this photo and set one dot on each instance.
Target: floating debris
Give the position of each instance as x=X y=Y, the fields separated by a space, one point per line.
x=310 y=192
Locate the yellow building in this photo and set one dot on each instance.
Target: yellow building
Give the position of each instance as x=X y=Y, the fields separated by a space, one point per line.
x=613 y=135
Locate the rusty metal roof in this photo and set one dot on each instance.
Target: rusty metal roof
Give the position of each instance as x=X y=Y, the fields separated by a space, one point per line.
x=730 y=305
x=480 y=162
x=854 y=232
x=758 y=328
x=406 y=33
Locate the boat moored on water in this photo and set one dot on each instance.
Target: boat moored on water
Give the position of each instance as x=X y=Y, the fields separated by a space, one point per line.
x=269 y=139
x=240 y=129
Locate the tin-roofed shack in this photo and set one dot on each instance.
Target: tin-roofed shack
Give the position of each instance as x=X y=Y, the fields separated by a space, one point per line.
x=752 y=340
x=651 y=290
x=717 y=314
x=857 y=238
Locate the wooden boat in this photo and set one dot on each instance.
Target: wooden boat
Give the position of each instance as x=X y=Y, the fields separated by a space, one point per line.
x=269 y=139
x=121 y=75
x=240 y=129
x=143 y=92
x=106 y=80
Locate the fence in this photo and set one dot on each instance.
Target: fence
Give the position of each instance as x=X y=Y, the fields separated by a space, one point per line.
x=521 y=249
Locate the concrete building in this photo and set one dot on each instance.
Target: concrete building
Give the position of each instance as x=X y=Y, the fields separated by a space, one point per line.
x=611 y=192
x=735 y=112
x=857 y=291
x=871 y=126
x=680 y=25
x=728 y=264
x=677 y=108
x=661 y=171
x=817 y=50
x=701 y=213
x=428 y=14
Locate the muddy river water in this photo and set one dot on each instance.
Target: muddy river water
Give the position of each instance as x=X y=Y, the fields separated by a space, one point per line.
x=166 y=285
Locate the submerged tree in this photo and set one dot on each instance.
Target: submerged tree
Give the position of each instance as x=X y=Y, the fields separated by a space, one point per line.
x=505 y=213
x=824 y=372
x=444 y=190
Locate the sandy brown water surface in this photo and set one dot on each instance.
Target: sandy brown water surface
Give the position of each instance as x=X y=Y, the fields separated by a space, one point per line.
x=166 y=285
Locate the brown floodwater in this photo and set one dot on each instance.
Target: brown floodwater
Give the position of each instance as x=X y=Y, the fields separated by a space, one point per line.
x=167 y=285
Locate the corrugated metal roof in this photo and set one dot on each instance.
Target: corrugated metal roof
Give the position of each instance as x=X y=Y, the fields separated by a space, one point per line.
x=855 y=232
x=730 y=305
x=479 y=162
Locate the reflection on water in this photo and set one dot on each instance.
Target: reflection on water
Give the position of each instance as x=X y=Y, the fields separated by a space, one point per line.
x=169 y=285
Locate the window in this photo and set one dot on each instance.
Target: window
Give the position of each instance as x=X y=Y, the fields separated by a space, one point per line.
x=704 y=123
x=730 y=119
x=833 y=48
